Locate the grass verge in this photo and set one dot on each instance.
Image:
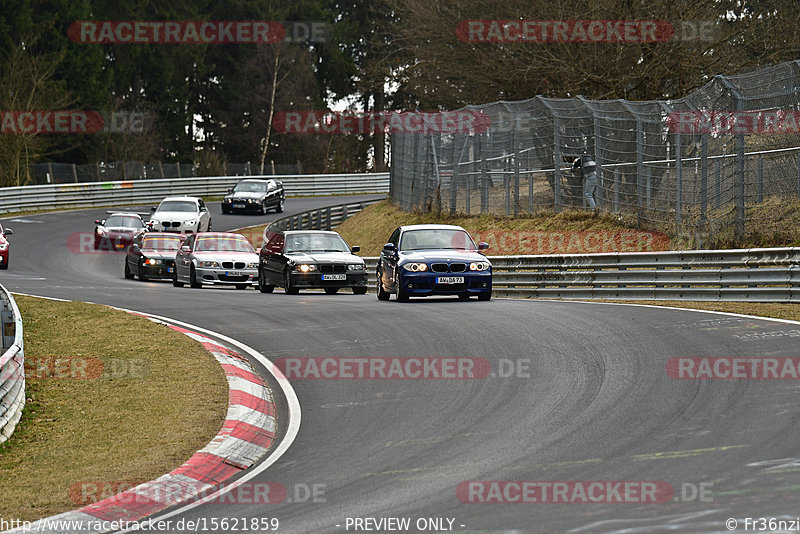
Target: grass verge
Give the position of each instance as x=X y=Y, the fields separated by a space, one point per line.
x=107 y=402
x=539 y=233
x=789 y=311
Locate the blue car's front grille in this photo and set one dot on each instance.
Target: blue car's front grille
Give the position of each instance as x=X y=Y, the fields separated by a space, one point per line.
x=448 y=268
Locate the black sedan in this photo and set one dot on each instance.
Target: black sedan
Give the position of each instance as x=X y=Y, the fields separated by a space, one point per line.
x=305 y=259
x=433 y=259
x=255 y=195
x=152 y=255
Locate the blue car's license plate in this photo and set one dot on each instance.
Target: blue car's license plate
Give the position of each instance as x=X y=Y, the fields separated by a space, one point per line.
x=449 y=279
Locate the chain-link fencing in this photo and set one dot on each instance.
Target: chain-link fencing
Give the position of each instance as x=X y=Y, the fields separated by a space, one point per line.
x=702 y=165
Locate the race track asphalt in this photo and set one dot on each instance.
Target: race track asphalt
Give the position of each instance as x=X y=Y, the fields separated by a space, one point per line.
x=590 y=398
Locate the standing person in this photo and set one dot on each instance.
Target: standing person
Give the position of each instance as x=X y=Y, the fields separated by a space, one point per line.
x=588 y=168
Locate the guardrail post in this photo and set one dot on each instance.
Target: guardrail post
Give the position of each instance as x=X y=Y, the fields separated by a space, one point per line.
x=328 y=218
x=9 y=328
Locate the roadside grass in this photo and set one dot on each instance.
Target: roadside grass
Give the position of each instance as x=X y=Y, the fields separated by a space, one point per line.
x=789 y=311
x=371 y=227
x=161 y=397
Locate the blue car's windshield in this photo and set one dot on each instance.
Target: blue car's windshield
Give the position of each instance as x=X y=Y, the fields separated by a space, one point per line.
x=436 y=239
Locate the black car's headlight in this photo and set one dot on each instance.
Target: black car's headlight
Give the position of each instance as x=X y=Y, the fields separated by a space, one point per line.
x=479 y=266
x=415 y=267
x=150 y=261
x=305 y=267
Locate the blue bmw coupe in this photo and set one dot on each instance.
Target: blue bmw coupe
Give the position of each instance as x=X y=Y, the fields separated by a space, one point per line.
x=433 y=259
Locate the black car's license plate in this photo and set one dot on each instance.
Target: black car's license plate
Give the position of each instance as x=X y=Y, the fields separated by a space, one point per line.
x=334 y=277
x=238 y=206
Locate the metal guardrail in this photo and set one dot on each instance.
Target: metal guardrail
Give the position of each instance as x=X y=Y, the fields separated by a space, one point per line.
x=12 y=368
x=740 y=275
x=91 y=194
x=325 y=218
x=749 y=275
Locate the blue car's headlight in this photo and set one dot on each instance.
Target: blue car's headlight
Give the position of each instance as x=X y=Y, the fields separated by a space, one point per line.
x=479 y=266
x=415 y=267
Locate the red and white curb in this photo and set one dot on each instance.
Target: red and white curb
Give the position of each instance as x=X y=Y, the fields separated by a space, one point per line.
x=245 y=438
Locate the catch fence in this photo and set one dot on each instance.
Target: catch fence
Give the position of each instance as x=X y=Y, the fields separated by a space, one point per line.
x=705 y=165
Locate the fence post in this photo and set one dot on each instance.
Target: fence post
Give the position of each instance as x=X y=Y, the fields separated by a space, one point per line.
x=616 y=189
x=515 y=146
x=556 y=164
x=648 y=172
x=454 y=175
x=703 y=177
x=484 y=179
x=760 y=174
x=678 y=183
x=718 y=183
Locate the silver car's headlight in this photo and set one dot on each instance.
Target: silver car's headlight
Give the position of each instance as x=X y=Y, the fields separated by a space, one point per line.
x=189 y=223
x=207 y=263
x=356 y=266
x=415 y=267
x=305 y=267
x=479 y=266
x=252 y=265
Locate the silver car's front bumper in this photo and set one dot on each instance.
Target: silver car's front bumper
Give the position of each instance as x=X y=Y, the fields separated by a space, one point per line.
x=207 y=275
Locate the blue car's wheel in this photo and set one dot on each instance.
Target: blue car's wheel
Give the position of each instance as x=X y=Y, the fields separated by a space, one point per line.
x=382 y=295
x=402 y=293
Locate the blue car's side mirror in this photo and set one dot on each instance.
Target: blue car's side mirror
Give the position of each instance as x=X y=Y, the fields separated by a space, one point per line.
x=483 y=245
x=390 y=247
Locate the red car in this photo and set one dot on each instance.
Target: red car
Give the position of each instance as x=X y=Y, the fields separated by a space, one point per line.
x=4 y=246
x=118 y=231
